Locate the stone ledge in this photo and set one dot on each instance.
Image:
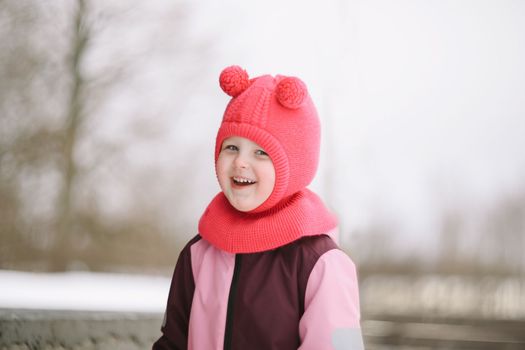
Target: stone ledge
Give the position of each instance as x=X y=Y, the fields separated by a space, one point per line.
x=77 y=330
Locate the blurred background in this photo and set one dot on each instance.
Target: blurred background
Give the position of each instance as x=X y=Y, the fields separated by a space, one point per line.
x=108 y=115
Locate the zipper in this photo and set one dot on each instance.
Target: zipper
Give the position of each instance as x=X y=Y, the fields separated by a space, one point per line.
x=231 y=302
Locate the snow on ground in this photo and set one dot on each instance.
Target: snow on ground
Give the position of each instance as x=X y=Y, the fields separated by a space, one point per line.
x=487 y=297
x=83 y=291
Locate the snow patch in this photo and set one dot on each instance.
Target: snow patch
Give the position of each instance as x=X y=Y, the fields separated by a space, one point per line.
x=83 y=291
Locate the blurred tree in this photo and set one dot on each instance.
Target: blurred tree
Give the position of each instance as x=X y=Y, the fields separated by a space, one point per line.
x=52 y=162
x=488 y=238
x=73 y=123
x=502 y=236
x=452 y=227
x=29 y=137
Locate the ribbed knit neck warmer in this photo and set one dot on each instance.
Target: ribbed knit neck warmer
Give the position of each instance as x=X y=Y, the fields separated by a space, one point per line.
x=303 y=214
x=278 y=114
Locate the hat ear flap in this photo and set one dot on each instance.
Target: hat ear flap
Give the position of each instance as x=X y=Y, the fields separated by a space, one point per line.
x=234 y=80
x=291 y=92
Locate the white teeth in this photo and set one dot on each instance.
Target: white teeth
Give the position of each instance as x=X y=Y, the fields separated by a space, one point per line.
x=243 y=180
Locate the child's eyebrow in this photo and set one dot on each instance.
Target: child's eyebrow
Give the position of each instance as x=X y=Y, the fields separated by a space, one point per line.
x=228 y=144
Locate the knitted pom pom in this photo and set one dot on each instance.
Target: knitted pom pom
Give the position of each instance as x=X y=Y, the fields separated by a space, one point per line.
x=291 y=92
x=234 y=80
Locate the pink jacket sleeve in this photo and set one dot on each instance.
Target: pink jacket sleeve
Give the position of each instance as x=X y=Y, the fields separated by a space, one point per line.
x=331 y=315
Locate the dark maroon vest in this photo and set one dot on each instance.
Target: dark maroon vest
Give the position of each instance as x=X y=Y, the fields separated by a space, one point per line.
x=266 y=298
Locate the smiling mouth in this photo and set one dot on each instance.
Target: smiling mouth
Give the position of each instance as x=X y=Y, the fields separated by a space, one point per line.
x=242 y=181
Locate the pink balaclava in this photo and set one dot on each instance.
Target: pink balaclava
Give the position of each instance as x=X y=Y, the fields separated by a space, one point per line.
x=278 y=114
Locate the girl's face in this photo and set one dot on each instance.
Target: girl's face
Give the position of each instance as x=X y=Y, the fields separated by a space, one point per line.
x=245 y=172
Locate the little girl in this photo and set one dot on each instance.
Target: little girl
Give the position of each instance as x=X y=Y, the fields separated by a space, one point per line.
x=264 y=271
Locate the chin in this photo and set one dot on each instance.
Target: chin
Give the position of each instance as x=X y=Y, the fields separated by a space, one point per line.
x=244 y=207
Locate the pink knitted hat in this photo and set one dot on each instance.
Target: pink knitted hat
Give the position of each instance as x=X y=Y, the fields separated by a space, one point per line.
x=278 y=114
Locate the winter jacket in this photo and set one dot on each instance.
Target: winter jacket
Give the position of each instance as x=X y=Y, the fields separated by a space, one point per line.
x=303 y=295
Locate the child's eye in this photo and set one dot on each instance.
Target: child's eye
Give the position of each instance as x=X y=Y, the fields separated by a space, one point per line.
x=231 y=148
x=260 y=152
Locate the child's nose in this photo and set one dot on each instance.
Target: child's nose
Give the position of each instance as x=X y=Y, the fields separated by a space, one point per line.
x=241 y=161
